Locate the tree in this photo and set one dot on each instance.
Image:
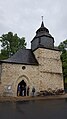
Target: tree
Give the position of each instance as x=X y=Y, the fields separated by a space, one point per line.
x=63 y=48
x=10 y=44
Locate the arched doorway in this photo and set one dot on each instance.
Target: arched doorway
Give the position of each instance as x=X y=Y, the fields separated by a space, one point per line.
x=21 y=89
x=20 y=80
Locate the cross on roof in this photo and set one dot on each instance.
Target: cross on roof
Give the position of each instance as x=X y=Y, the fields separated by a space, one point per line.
x=42 y=18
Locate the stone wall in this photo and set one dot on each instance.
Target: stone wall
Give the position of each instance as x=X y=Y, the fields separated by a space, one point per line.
x=50 y=69
x=13 y=74
x=47 y=75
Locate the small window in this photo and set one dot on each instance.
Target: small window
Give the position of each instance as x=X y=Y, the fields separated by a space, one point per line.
x=23 y=67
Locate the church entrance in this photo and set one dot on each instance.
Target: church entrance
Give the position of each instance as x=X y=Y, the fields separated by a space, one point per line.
x=21 y=89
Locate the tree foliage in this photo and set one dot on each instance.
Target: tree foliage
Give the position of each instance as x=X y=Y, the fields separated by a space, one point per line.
x=63 y=48
x=10 y=43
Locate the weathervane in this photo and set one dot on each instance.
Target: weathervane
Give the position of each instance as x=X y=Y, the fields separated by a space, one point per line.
x=42 y=18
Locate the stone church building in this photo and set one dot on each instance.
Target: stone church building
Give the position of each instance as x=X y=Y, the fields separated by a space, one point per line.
x=38 y=67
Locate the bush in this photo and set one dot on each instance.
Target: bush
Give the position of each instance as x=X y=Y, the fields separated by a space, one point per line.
x=50 y=92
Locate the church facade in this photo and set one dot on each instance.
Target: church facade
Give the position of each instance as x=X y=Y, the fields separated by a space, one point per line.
x=38 y=67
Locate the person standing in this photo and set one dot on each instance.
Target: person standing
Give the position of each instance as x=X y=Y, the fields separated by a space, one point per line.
x=33 y=91
x=28 y=91
x=22 y=90
x=19 y=90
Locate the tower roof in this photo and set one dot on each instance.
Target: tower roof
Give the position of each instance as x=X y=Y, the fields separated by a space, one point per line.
x=42 y=24
x=42 y=38
x=42 y=31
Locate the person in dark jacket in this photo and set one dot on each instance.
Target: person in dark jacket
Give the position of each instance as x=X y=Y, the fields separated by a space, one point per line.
x=33 y=91
x=28 y=91
x=18 y=93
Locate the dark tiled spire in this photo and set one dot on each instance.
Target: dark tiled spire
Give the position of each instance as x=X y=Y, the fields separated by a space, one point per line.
x=42 y=39
x=42 y=24
x=42 y=30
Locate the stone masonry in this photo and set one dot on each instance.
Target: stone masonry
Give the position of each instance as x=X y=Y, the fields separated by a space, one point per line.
x=47 y=75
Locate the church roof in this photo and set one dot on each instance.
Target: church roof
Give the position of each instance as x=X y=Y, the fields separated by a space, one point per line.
x=43 y=31
x=23 y=56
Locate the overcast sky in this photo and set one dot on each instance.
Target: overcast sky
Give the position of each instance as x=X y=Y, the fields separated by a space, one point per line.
x=24 y=18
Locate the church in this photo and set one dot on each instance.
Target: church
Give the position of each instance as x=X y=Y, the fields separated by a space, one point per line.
x=39 y=67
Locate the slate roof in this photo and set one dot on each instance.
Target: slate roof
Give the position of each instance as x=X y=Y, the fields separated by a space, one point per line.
x=22 y=56
x=43 y=31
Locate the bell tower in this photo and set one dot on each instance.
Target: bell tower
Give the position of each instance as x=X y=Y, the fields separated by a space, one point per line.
x=42 y=38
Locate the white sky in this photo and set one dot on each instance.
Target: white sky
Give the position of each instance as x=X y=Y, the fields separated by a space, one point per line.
x=24 y=18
